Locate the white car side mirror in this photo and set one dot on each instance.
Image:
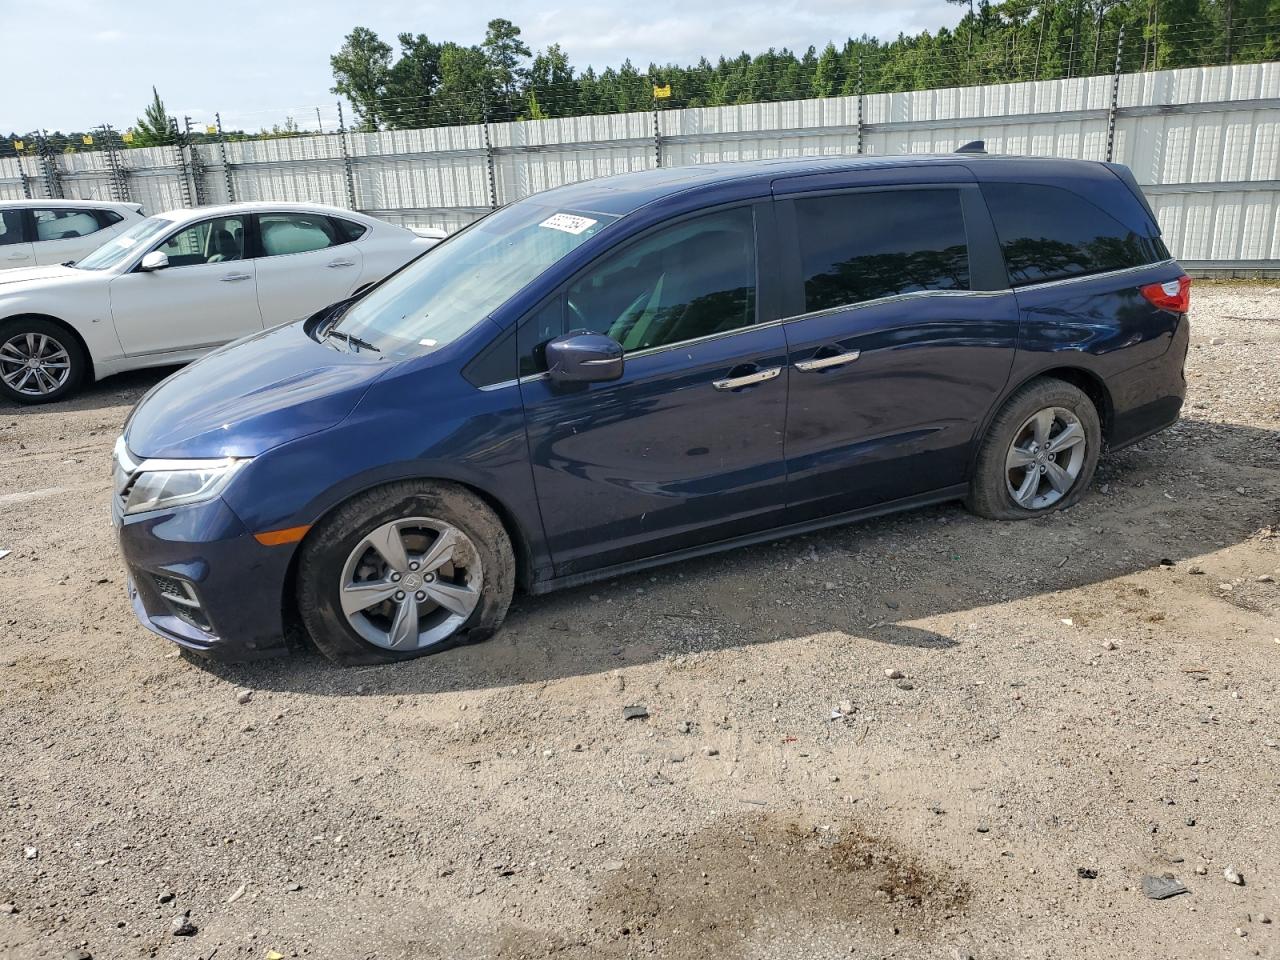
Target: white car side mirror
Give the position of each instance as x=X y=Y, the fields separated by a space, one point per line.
x=155 y=260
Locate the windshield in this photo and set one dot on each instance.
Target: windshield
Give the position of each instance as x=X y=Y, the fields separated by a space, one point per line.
x=466 y=278
x=124 y=245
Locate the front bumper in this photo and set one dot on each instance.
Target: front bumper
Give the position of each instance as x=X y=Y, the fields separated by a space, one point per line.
x=199 y=578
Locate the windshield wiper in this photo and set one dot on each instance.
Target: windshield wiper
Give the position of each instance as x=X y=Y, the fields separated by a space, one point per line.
x=352 y=340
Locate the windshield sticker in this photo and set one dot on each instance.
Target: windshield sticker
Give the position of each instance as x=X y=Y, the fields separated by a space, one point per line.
x=568 y=223
x=126 y=241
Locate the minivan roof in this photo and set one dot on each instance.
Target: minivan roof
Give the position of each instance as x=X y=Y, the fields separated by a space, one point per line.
x=621 y=194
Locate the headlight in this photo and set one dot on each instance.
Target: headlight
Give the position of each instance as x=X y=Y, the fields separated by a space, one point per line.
x=158 y=484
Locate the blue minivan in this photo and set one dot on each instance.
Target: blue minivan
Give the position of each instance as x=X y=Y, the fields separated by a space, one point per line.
x=638 y=369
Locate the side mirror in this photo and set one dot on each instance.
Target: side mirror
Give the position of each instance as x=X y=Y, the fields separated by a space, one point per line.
x=584 y=358
x=155 y=260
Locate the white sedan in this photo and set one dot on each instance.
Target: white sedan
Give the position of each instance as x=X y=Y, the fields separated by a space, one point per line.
x=176 y=285
x=40 y=232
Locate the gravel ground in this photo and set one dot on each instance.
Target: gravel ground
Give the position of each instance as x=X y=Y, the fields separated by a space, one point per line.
x=1084 y=701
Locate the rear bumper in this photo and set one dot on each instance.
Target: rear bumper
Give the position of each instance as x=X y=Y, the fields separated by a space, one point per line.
x=1148 y=398
x=198 y=578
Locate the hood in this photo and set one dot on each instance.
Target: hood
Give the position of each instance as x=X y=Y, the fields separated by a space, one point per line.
x=43 y=276
x=250 y=396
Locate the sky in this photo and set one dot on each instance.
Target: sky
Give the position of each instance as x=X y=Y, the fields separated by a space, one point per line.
x=76 y=64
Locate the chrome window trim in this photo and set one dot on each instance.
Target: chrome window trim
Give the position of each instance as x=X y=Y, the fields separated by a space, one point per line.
x=1080 y=278
x=895 y=298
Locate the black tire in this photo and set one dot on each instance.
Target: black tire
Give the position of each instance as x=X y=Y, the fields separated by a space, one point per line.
x=989 y=490
x=331 y=541
x=58 y=334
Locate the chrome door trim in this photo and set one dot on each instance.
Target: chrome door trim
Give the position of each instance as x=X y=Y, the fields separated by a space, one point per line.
x=747 y=380
x=826 y=363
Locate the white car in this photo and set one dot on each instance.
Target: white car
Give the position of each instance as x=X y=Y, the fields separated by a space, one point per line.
x=176 y=285
x=41 y=232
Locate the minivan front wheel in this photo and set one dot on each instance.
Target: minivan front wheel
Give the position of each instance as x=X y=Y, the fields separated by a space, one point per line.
x=1039 y=453
x=402 y=571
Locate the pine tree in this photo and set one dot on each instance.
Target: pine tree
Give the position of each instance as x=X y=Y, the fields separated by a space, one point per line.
x=152 y=129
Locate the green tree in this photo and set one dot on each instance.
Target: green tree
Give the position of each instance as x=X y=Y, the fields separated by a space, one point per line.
x=412 y=82
x=360 y=73
x=505 y=54
x=466 y=86
x=152 y=129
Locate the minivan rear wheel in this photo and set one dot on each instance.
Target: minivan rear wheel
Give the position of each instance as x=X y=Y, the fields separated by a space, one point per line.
x=402 y=571
x=1039 y=454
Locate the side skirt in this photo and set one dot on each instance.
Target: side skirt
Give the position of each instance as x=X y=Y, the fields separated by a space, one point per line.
x=955 y=492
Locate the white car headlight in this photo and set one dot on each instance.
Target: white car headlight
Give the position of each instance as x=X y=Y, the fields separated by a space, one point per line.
x=158 y=484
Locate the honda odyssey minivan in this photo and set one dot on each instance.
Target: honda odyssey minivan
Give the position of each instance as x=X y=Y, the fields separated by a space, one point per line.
x=639 y=369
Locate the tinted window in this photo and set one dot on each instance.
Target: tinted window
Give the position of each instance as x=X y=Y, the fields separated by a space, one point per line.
x=210 y=241
x=496 y=363
x=1048 y=233
x=545 y=323
x=864 y=246
x=689 y=280
x=11 y=226
x=348 y=231
x=65 y=224
x=107 y=218
x=286 y=233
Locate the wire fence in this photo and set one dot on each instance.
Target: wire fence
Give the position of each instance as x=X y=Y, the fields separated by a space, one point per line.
x=1204 y=142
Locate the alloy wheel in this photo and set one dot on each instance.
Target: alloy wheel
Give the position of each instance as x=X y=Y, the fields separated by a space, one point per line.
x=1045 y=458
x=34 y=364
x=409 y=584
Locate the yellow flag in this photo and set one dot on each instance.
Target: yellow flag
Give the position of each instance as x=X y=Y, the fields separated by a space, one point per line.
x=127 y=136
x=661 y=93
x=19 y=145
x=88 y=140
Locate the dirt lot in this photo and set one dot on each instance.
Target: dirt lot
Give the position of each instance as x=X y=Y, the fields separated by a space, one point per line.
x=1096 y=691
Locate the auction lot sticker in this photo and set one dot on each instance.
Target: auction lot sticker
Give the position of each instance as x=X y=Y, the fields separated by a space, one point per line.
x=568 y=223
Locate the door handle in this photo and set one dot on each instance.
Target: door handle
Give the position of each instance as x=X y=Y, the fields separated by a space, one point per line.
x=232 y=277
x=342 y=263
x=19 y=256
x=826 y=363
x=747 y=379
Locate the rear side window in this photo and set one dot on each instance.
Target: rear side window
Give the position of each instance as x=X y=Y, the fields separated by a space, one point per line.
x=65 y=224
x=288 y=233
x=864 y=246
x=346 y=230
x=107 y=218
x=1048 y=233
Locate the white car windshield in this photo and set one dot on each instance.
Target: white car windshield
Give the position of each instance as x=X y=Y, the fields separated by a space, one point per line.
x=124 y=245
x=466 y=278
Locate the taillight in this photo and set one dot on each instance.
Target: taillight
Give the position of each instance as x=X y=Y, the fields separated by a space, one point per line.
x=1174 y=295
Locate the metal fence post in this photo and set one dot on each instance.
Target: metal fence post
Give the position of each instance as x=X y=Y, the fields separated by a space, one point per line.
x=346 y=159
x=657 y=135
x=22 y=175
x=489 y=161
x=1115 y=99
x=115 y=164
x=49 y=168
x=195 y=163
x=180 y=161
x=226 y=167
x=860 y=102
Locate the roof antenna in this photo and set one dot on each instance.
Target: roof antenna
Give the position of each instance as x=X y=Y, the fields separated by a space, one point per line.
x=973 y=146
